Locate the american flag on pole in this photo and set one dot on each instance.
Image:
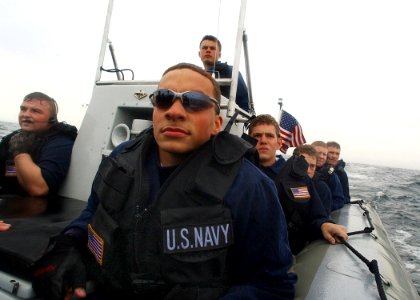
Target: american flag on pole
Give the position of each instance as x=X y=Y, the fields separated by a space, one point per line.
x=290 y=132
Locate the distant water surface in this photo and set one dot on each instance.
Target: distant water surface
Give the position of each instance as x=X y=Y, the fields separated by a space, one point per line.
x=393 y=192
x=7 y=127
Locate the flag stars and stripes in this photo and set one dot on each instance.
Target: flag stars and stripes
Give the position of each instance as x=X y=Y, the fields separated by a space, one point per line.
x=290 y=132
x=95 y=244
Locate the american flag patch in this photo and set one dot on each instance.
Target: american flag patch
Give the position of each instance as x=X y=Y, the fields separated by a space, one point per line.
x=10 y=169
x=96 y=245
x=300 y=192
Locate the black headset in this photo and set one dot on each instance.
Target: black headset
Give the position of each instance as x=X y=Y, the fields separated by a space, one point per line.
x=53 y=119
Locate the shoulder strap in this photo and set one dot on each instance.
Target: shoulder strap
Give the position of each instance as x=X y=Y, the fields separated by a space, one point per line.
x=228 y=148
x=4 y=152
x=116 y=174
x=207 y=174
x=291 y=179
x=64 y=128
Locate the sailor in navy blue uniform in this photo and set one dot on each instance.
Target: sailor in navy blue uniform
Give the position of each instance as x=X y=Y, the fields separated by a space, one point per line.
x=326 y=173
x=344 y=180
x=333 y=159
x=324 y=193
x=210 y=53
x=306 y=216
x=273 y=170
x=34 y=160
x=178 y=213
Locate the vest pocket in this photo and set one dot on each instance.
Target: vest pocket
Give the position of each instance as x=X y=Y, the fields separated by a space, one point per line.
x=109 y=248
x=111 y=184
x=101 y=236
x=195 y=241
x=196 y=229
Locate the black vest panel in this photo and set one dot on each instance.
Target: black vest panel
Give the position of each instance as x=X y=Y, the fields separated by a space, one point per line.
x=175 y=247
x=294 y=198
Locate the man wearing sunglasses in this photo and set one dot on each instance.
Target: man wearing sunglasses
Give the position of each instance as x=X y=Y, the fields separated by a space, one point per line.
x=210 y=53
x=177 y=213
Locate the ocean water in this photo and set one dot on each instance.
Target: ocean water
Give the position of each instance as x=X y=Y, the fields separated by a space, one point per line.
x=7 y=127
x=393 y=192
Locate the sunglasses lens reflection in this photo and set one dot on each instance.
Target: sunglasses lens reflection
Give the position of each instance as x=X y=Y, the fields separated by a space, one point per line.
x=192 y=101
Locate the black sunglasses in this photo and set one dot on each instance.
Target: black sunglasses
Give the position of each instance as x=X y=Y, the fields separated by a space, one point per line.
x=191 y=101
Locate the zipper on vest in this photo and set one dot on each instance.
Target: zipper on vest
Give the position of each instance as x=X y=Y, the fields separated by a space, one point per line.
x=139 y=214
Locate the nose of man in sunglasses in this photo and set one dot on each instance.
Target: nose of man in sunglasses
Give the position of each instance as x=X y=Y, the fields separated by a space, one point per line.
x=186 y=112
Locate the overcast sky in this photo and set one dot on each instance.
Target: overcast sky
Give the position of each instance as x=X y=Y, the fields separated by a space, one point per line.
x=347 y=70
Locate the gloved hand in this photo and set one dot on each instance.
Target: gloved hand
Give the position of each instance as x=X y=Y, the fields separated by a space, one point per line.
x=59 y=270
x=23 y=142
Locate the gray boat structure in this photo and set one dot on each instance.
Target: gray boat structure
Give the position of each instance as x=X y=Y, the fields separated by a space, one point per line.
x=119 y=109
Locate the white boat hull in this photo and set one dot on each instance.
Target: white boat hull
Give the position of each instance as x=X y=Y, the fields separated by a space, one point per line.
x=334 y=272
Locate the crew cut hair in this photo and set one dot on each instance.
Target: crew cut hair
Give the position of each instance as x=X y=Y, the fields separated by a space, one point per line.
x=216 y=87
x=210 y=37
x=333 y=144
x=264 y=119
x=319 y=143
x=305 y=149
x=44 y=97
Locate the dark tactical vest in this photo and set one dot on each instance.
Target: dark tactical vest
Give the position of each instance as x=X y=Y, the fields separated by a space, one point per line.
x=176 y=246
x=10 y=184
x=325 y=172
x=294 y=198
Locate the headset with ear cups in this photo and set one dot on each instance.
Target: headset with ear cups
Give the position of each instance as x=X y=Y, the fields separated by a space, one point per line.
x=53 y=119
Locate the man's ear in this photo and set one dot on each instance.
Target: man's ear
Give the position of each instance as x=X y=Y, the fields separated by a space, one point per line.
x=279 y=142
x=218 y=122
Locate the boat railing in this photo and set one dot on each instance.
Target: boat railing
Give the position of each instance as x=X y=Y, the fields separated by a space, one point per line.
x=128 y=82
x=243 y=115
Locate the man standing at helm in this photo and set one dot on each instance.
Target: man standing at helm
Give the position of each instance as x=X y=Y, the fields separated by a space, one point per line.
x=210 y=53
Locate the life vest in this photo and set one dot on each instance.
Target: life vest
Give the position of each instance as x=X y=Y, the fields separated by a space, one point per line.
x=294 y=198
x=325 y=172
x=339 y=167
x=5 y=158
x=176 y=246
x=8 y=179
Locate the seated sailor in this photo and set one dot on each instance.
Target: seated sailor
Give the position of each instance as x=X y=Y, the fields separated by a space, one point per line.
x=177 y=213
x=305 y=214
x=34 y=160
x=310 y=155
x=327 y=173
x=333 y=158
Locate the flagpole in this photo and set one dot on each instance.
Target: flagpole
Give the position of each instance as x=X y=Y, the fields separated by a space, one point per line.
x=280 y=103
